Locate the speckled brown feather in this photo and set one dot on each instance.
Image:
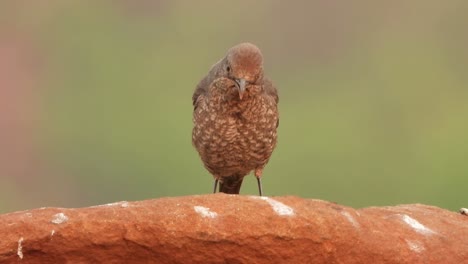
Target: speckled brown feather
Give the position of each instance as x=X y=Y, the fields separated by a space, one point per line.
x=235 y=136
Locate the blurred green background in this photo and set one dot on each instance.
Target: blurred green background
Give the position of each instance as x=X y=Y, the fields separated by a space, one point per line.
x=95 y=98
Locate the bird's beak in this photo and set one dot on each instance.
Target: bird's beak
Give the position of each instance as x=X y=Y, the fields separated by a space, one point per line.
x=241 y=87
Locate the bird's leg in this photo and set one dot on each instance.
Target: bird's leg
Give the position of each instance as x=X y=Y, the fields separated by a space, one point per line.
x=258 y=175
x=259 y=183
x=215 y=185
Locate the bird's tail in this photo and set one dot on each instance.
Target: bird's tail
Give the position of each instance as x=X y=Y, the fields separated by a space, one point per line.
x=231 y=185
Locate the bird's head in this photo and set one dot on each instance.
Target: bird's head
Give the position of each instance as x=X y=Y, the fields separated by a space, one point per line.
x=244 y=65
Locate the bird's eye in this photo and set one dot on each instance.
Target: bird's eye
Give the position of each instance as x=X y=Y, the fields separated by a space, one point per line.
x=228 y=69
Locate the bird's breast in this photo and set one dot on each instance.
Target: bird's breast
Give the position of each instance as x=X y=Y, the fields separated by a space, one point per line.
x=241 y=136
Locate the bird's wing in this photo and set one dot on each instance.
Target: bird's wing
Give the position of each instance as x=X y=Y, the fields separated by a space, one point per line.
x=200 y=92
x=202 y=88
x=272 y=92
x=270 y=89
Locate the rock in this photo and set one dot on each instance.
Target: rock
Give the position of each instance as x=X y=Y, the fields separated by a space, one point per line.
x=220 y=228
x=464 y=211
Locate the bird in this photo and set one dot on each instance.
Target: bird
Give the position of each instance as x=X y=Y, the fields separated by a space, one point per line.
x=235 y=116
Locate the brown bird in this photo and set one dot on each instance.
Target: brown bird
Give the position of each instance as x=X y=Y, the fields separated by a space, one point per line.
x=235 y=118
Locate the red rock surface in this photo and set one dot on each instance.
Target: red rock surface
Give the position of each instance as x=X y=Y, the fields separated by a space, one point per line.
x=223 y=228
